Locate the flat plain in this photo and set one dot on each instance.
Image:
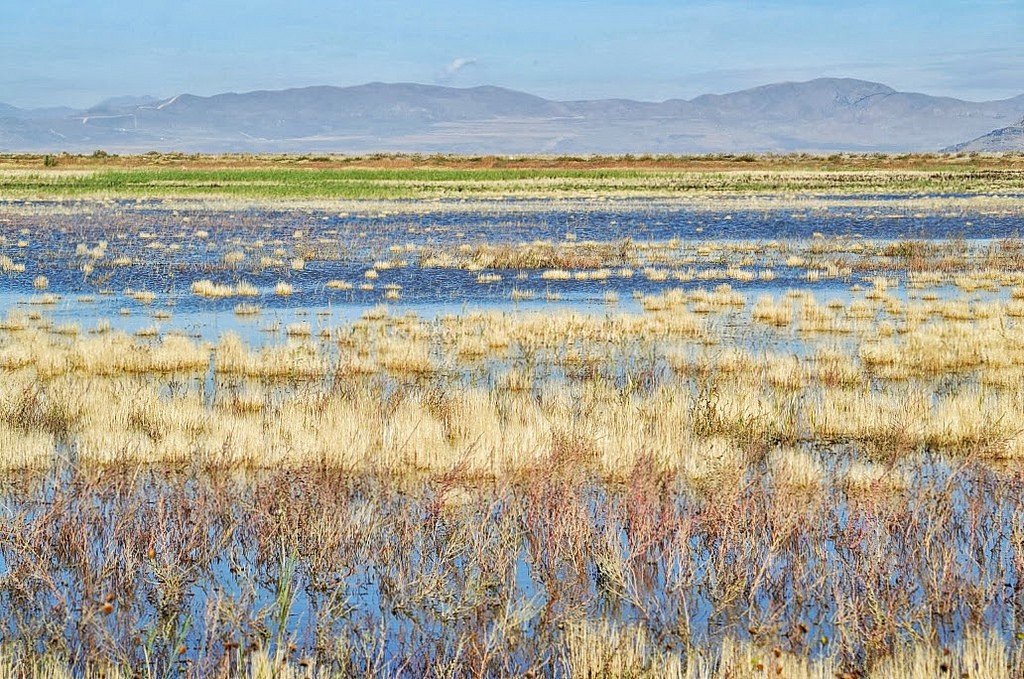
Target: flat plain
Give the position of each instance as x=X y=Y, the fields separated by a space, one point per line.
x=731 y=416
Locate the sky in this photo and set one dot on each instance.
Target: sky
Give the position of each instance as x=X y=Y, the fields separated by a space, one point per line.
x=79 y=52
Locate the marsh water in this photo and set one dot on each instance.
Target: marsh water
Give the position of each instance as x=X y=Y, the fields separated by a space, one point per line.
x=187 y=568
x=163 y=248
x=356 y=573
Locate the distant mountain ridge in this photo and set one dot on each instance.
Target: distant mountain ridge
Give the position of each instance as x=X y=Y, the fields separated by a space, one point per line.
x=823 y=115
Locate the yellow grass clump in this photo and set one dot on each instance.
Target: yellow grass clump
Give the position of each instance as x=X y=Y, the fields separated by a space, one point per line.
x=207 y=288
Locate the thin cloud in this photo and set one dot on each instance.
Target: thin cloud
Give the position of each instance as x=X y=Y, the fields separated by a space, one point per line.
x=453 y=67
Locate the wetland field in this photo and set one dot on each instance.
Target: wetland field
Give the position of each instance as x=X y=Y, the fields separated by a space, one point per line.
x=709 y=417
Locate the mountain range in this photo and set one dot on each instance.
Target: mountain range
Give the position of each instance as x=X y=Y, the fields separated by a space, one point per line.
x=823 y=115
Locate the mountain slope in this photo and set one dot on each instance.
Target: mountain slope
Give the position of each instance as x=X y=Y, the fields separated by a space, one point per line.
x=828 y=114
x=1005 y=139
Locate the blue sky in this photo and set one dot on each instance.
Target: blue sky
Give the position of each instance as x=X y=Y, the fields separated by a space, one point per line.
x=78 y=52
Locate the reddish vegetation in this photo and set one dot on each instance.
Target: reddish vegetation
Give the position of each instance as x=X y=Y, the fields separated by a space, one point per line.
x=711 y=162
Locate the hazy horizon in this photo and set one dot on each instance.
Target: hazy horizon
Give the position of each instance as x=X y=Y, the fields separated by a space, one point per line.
x=128 y=96
x=61 y=53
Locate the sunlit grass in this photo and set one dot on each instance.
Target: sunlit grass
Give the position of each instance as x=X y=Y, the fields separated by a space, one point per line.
x=262 y=181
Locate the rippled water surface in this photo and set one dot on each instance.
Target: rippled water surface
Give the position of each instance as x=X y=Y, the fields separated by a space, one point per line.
x=188 y=567
x=164 y=249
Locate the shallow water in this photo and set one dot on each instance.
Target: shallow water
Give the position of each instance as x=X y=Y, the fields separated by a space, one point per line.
x=347 y=569
x=165 y=256
x=411 y=573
